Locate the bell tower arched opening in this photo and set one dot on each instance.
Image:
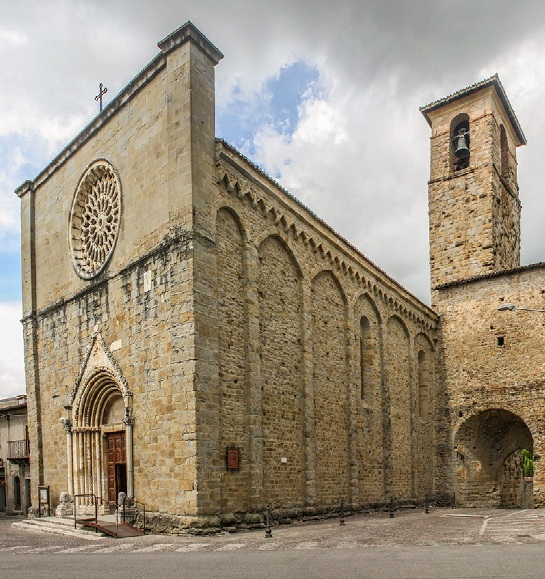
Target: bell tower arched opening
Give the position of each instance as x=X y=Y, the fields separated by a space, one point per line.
x=460 y=142
x=489 y=468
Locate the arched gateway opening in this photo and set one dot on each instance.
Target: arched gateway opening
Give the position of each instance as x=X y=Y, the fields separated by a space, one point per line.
x=489 y=469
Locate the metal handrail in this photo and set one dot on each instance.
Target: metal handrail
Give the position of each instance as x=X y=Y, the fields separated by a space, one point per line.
x=128 y=502
x=96 y=500
x=87 y=495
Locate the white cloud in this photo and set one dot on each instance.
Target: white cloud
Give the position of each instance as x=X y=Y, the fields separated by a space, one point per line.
x=12 y=381
x=12 y=37
x=359 y=154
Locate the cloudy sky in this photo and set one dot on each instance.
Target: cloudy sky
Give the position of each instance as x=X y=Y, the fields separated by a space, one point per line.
x=322 y=94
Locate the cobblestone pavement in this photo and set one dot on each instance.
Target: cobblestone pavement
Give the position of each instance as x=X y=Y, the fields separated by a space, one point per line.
x=409 y=528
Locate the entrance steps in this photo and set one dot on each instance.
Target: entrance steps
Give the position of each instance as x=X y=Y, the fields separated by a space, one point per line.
x=58 y=525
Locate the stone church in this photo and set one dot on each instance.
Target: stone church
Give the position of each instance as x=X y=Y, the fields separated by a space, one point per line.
x=197 y=338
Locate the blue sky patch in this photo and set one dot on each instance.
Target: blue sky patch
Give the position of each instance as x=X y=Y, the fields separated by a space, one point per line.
x=277 y=107
x=10 y=279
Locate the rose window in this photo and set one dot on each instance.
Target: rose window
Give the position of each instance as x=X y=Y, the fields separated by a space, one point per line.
x=94 y=219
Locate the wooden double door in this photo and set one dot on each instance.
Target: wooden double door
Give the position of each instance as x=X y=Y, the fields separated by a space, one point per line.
x=117 y=464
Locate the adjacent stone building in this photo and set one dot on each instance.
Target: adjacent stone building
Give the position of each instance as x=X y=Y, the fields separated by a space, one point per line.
x=199 y=339
x=493 y=365
x=15 y=494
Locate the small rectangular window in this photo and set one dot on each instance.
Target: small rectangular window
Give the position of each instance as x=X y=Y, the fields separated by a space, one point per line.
x=501 y=340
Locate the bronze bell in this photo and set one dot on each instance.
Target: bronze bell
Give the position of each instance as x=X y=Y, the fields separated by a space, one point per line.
x=461 y=150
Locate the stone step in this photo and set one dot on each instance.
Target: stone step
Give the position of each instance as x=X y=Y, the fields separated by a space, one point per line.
x=59 y=526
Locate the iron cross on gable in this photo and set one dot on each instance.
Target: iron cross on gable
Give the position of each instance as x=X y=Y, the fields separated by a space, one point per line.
x=102 y=90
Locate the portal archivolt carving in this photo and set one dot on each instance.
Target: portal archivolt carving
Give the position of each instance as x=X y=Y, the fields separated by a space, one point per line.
x=100 y=410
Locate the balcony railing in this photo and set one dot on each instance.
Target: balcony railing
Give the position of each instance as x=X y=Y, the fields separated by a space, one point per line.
x=18 y=449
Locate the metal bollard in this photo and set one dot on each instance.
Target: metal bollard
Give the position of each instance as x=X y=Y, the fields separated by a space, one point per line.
x=427 y=506
x=341 y=513
x=391 y=507
x=268 y=532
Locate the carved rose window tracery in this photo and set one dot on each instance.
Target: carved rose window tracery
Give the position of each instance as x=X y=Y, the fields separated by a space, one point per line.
x=94 y=219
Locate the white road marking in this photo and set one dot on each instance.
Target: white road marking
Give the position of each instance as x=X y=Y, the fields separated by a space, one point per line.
x=193 y=547
x=231 y=547
x=116 y=548
x=307 y=545
x=153 y=548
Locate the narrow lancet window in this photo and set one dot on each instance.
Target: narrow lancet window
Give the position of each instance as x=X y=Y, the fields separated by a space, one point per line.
x=365 y=351
x=423 y=384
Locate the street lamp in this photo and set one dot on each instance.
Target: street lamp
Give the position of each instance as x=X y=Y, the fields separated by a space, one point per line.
x=513 y=307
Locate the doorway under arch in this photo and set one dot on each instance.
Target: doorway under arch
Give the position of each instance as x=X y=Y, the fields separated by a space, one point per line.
x=102 y=438
x=489 y=469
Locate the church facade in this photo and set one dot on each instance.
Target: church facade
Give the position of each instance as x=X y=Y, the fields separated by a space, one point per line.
x=197 y=338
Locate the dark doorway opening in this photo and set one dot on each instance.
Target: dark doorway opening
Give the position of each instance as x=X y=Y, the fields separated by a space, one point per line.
x=120 y=478
x=28 y=500
x=17 y=494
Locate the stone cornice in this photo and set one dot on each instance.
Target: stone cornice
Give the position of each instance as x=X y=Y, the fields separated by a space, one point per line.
x=492 y=275
x=494 y=81
x=174 y=237
x=312 y=230
x=189 y=33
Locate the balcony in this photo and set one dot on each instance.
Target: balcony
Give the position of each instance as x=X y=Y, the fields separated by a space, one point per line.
x=18 y=451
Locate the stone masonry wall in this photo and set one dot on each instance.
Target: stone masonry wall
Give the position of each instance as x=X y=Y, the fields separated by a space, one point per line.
x=494 y=362
x=402 y=406
x=143 y=303
x=330 y=381
x=280 y=299
x=231 y=307
x=316 y=434
x=137 y=329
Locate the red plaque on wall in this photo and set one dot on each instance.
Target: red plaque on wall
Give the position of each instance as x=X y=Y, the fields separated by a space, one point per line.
x=232 y=458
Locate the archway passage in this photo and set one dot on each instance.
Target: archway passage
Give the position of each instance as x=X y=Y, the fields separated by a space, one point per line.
x=489 y=465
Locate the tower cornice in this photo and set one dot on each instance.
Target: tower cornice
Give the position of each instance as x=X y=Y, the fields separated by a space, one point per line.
x=494 y=81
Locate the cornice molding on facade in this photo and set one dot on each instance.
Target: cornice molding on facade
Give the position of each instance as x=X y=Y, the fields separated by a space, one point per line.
x=188 y=32
x=493 y=275
x=13 y=403
x=173 y=238
x=117 y=103
x=311 y=226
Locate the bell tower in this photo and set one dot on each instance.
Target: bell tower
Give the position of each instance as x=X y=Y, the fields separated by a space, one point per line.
x=474 y=207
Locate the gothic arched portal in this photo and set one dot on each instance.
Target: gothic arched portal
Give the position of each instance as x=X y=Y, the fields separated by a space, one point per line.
x=99 y=428
x=488 y=460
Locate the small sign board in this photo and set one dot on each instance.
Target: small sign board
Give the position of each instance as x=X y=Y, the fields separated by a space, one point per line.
x=232 y=458
x=44 y=506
